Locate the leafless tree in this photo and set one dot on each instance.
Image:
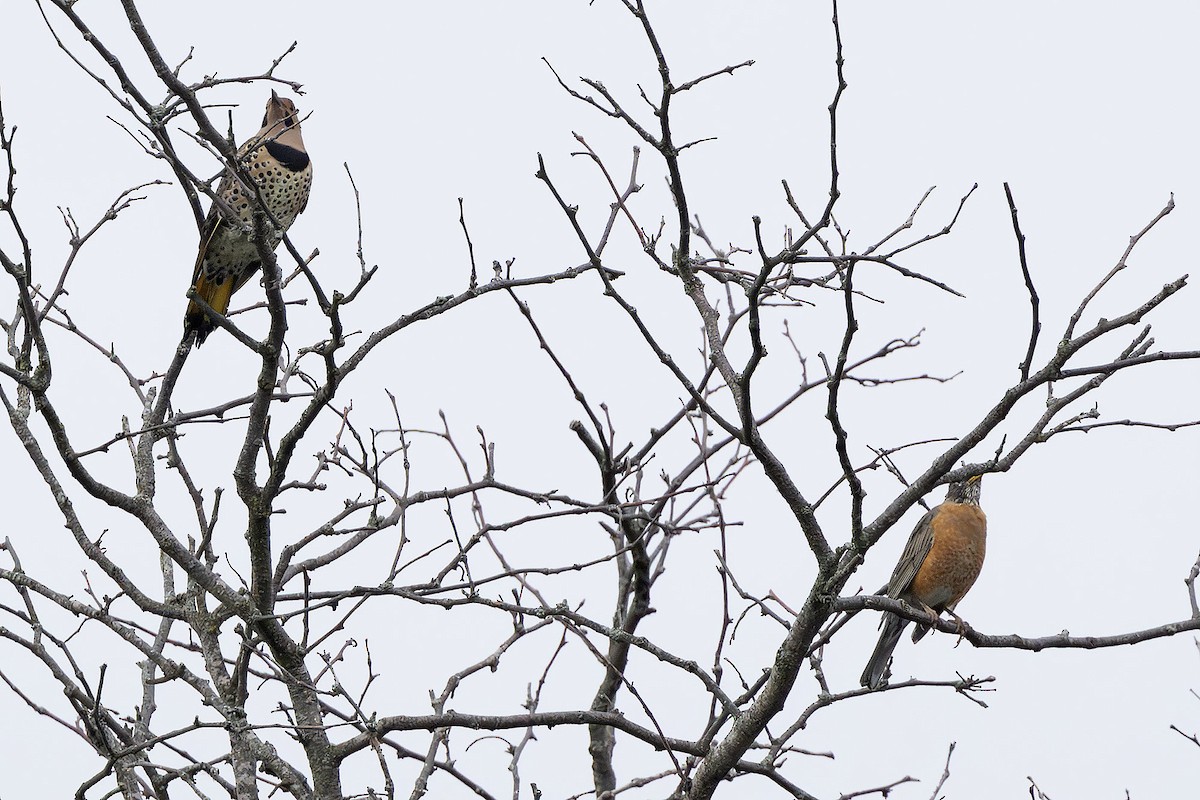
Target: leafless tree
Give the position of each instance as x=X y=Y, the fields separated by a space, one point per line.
x=251 y=680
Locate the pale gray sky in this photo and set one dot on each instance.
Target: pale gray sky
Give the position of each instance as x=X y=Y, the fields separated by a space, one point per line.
x=1086 y=109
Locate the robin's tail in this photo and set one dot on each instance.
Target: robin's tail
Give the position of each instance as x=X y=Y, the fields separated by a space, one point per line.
x=217 y=295
x=893 y=626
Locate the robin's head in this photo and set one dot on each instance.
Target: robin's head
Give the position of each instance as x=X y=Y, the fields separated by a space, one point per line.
x=965 y=491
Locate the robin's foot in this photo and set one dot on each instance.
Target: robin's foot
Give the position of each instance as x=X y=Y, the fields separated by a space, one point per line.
x=960 y=624
x=933 y=615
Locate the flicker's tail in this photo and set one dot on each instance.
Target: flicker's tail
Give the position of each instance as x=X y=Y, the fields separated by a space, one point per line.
x=893 y=626
x=217 y=296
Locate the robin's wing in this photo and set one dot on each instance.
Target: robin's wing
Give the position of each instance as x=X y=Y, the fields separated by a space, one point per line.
x=919 y=544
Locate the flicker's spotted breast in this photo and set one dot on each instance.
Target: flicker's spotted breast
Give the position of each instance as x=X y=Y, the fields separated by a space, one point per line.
x=276 y=160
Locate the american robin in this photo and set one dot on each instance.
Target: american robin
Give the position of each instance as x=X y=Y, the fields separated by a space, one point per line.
x=938 y=567
x=276 y=160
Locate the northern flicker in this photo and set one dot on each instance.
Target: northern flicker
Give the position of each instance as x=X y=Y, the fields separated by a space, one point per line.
x=275 y=158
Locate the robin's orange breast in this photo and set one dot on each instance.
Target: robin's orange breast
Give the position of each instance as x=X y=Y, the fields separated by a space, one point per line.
x=955 y=557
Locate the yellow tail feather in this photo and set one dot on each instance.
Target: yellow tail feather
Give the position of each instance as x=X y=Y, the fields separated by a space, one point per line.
x=217 y=296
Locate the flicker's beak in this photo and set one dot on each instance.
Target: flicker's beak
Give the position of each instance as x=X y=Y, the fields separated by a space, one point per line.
x=274 y=97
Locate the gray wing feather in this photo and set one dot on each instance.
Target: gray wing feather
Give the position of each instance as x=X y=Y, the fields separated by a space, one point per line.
x=919 y=544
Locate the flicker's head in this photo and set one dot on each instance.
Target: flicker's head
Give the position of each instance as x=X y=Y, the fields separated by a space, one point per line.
x=281 y=114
